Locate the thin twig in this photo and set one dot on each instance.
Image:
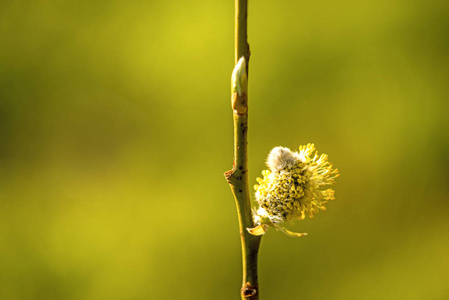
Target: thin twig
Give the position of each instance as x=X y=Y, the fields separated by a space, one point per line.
x=238 y=176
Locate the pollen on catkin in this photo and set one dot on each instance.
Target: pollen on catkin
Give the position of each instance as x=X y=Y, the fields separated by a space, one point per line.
x=292 y=188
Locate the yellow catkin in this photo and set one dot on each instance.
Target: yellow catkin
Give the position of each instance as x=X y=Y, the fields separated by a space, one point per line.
x=292 y=188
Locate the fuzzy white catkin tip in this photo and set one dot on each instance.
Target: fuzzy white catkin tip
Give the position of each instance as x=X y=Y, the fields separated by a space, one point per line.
x=239 y=78
x=281 y=158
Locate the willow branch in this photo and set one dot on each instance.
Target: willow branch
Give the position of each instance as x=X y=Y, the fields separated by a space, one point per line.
x=238 y=176
x=241 y=30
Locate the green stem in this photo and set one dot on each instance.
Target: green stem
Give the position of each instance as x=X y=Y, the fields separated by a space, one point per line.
x=238 y=176
x=241 y=30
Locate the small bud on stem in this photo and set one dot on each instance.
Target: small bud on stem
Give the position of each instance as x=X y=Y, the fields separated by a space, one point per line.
x=239 y=87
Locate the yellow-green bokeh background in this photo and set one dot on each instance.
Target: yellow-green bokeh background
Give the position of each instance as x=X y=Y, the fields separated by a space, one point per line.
x=116 y=128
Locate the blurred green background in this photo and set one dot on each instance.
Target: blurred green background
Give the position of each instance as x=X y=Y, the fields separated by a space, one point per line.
x=116 y=128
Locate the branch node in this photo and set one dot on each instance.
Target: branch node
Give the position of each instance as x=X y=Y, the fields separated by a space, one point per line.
x=229 y=174
x=249 y=292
